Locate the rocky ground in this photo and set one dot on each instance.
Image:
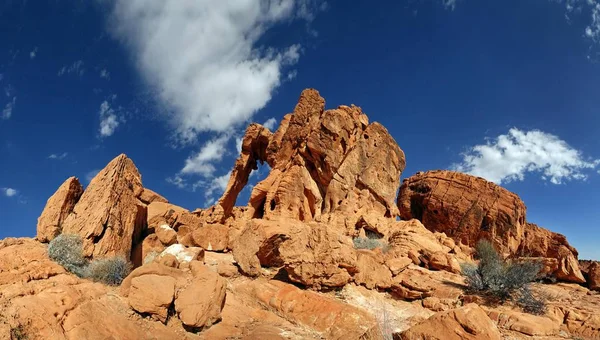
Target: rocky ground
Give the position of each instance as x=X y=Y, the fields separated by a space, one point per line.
x=285 y=266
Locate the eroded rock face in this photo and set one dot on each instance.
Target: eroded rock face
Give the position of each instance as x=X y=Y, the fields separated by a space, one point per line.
x=469 y=208
x=464 y=207
x=325 y=165
x=57 y=208
x=109 y=217
x=540 y=242
x=468 y=322
x=333 y=319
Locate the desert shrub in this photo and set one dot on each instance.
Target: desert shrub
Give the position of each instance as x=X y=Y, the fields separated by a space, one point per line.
x=501 y=280
x=111 y=271
x=18 y=333
x=370 y=243
x=67 y=250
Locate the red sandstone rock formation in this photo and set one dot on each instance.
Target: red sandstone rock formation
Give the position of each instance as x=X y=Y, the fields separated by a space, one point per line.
x=58 y=207
x=109 y=216
x=326 y=165
x=469 y=208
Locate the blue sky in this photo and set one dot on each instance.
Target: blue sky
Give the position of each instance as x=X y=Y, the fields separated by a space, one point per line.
x=508 y=90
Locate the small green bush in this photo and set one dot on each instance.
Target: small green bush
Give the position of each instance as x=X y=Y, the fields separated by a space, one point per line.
x=370 y=243
x=111 y=271
x=18 y=333
x=501 y=280
x=67 y=250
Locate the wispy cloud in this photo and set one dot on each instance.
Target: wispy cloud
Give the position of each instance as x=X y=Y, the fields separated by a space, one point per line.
x=104 y=74
x=109 y=122
x=77 y=68
x=270 y=124
x=91 y=174
x=219 y=77
x=9 y=192
x=58 y=156
x=7 y=111
x=202 y=162
x=449 y=4
x=510 y=157
x=33 y=53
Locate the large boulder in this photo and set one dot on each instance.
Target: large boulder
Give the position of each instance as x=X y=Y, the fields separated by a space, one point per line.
x=466 y=323
x=591 y=271
x=311 y=253
x=329 y=165
x=109 y=216
x=57 y=208
x=540 y=242
x=469 y=208
x=464 y=207
x=332 y=318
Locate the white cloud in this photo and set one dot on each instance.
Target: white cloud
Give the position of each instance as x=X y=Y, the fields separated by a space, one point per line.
x=8 y=109
x=203 y=58
x=270 y=124
x=76 y=68
x=449 y=4
x=201 y=163
x=9 y=192
x=58 y=156
x=90 y=175
x=238 y=144
x=510 y=157
x=108 y=120
x=214 y=187
x=33 y=53
x=104 y=74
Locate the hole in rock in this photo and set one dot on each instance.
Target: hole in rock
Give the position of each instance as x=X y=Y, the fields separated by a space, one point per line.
x=255 y=177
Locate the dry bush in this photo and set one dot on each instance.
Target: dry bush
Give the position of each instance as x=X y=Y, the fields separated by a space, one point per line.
x=500 y=280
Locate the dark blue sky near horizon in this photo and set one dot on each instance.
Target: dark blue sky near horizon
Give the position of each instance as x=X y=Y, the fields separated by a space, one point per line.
x=507 y=90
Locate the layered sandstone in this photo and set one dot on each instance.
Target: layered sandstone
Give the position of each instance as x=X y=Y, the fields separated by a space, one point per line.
x=469 y=208
x=58 y=207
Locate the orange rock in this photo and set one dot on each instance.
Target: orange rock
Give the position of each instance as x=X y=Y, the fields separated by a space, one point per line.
x=212 y=237
x=465 y=207
x=468 y=322
x=329 y=165
x=148 y=196
x=57 y=208
x=199 y=304
x=109 y=217
x=540 y=242
x=469 y=208
x=315 y=255
x=594 y=276
x=147 y=250
x=372 y=273
x=185 y=236
x=527 y=324
x=166 y=234
x=152 y=294
x=397 y=265
x=44 y=302
x=333 y=319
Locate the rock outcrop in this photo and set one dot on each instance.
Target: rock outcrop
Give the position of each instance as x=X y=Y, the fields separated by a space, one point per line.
x=326 y=165
x=319 y=252
x=109 y=216
x=58 y=207
x=469 y=208
x=468 y=322
x=464 y=207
